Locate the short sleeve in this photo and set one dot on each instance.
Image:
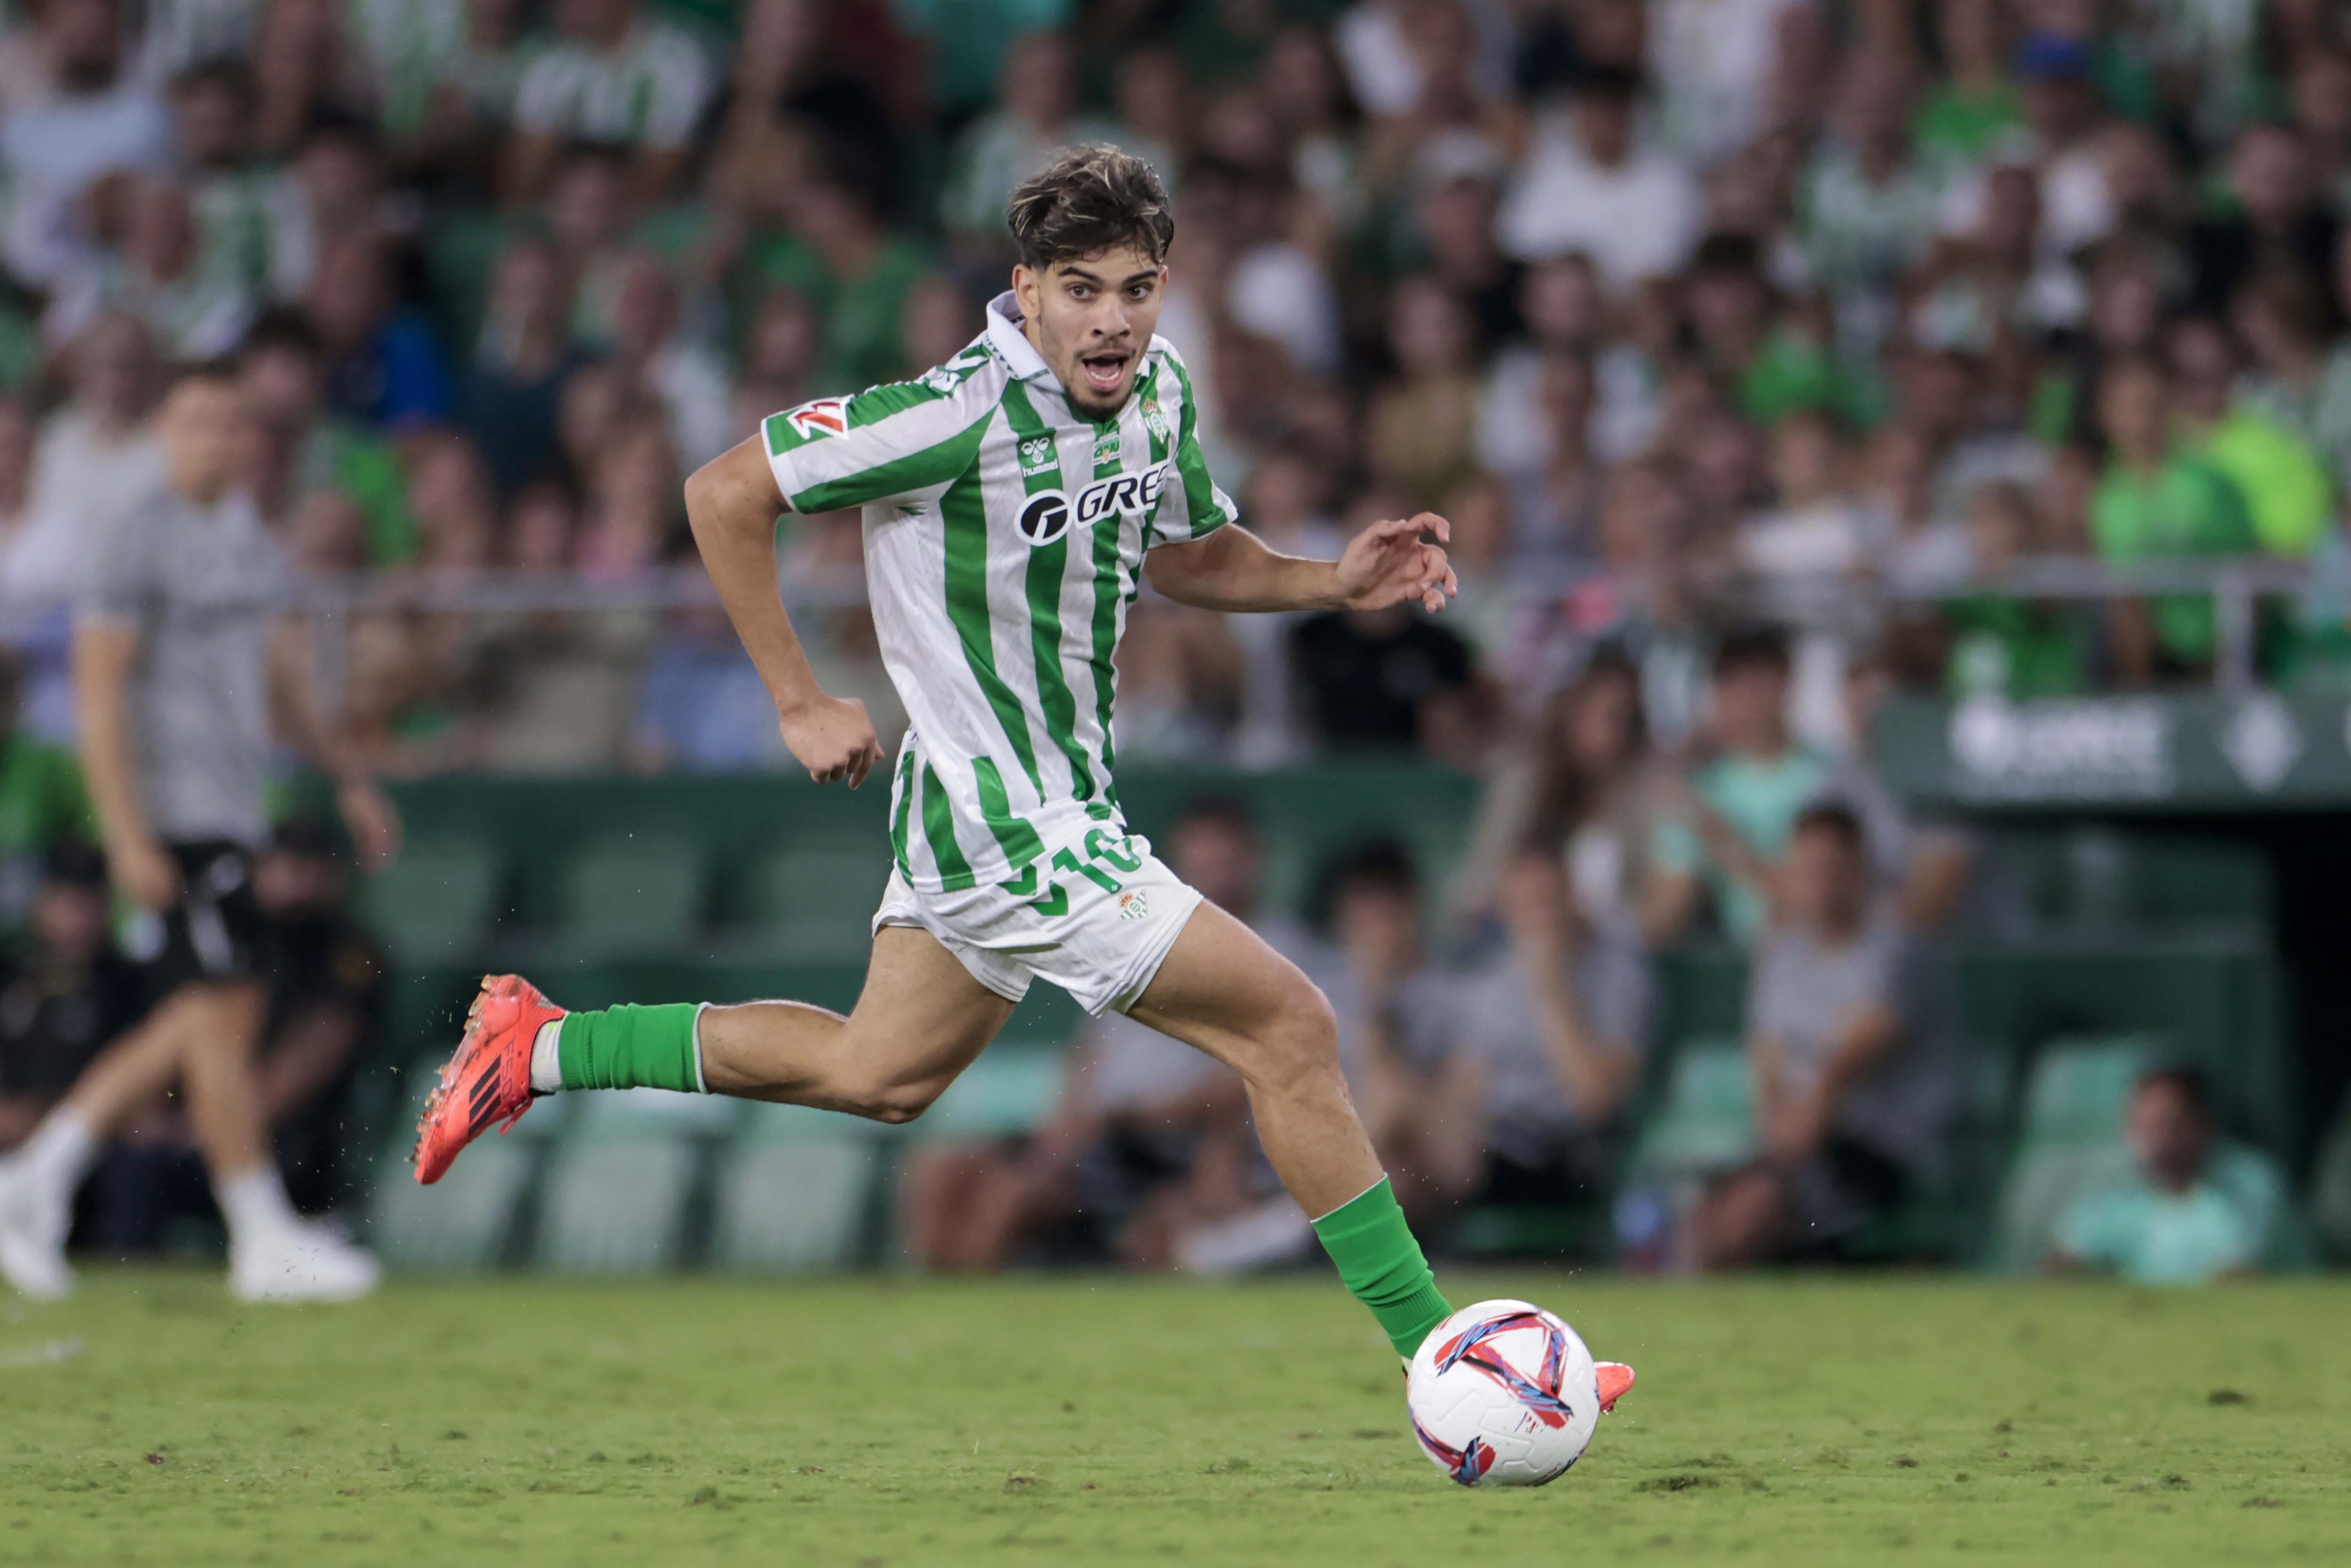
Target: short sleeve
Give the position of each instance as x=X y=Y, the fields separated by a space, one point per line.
x=883 y=443
x=1191 y=506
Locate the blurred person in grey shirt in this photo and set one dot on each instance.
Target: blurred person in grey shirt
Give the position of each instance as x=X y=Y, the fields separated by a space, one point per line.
x=182 y=662
x=1847 y=1043
x=1558 y=1024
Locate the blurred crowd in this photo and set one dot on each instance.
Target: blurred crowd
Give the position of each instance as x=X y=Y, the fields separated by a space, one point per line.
x=1672 y=309
x=1678 y=312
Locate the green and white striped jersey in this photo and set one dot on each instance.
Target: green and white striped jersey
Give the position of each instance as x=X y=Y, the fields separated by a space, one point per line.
x=1004 y=541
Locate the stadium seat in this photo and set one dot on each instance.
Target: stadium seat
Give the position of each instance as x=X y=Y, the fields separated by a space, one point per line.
x=434 y=901
x=2067 y=1140
x=813 y=903
x=794 y=1191
x=638 y=894
x=1704 y=1122
x=2075 y=1094
x=462 y=1223
x=619 y=1187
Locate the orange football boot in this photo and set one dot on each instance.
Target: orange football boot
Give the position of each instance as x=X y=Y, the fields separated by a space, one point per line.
x=487 y=1082
x=1612 y=1379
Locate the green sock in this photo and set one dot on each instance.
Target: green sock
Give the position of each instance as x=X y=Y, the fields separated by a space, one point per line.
x=630 y=1048
x=1381 y=1265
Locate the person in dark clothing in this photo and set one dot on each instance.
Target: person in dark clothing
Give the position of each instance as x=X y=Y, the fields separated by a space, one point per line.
x=1371 y=678
x=70 y=994
x=326 y=993
x=324 y=979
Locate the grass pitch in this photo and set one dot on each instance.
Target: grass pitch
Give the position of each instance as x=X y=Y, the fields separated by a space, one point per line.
x=1103 y=1421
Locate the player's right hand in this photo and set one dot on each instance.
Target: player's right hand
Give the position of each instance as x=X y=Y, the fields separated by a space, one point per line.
x=832 y=739
x=145 y=872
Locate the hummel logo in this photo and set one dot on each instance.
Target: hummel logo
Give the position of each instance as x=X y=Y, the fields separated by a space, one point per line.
x=1037 y=454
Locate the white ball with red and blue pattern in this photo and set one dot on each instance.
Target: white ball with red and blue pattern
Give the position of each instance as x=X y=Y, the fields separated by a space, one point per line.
x=1502 y=1394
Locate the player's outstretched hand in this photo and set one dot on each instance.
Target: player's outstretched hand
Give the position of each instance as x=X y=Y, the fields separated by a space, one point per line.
x=832 y=739
x=1390 y=562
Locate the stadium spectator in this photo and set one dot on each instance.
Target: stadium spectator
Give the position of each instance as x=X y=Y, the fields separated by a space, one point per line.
x=685 y=379
x=1722 y=836
x=1578 y=789
x=304 y=448
x=55 y=146
x=2156 y=502
x=1035 y=113
x=44 y=808
x=384 y=366
x=2284 y=487
x=1558 y=1025
x=1421 y=1097
x=1148 y=1154
x=510 y=396
x=1385 y=680
x=614 y=73
x=2195 y=1208
x=68 y=989
x=1846 y=1050
x=159 y=274
x=1588 y=185
x=854 y=273
x=326 y=993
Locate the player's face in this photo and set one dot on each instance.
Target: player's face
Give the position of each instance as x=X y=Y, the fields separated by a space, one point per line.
x=201 y=426
x=1091 y=318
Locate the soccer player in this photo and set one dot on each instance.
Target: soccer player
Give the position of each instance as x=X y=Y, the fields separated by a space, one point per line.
x=1015 y=499
x=178 y=661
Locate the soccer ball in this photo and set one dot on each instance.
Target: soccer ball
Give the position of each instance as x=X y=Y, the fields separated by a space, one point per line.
x=1502 y=1394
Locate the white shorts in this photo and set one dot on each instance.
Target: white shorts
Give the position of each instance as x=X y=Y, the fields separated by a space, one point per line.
x=1095 y=917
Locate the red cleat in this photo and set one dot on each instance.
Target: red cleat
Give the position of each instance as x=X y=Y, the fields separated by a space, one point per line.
x=1612 y=1379
x=488 y=1081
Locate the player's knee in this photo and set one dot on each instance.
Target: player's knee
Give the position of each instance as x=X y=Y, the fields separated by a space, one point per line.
x=894 y=1101
x=1299 y=1045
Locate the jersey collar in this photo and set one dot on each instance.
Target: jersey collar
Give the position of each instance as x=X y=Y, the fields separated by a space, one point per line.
x=1004 y=335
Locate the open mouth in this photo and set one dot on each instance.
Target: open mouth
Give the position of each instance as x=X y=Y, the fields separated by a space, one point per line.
x=1101 y=372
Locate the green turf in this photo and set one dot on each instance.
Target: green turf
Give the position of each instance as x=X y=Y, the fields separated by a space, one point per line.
x=1080 y=1420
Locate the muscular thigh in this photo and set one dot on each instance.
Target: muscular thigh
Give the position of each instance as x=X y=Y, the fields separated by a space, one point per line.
x=920 y=1013
x=1222 y=989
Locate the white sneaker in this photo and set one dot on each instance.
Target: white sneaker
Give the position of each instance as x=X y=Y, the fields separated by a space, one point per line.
x=1266 y=1237
x=33 y=1225
x=301 y=1262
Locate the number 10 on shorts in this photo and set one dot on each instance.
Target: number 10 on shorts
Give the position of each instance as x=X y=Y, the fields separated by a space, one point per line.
x=1102 y=849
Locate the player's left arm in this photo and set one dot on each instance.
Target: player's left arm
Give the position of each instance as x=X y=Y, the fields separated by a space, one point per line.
x=1231 y=569
x=370 y=814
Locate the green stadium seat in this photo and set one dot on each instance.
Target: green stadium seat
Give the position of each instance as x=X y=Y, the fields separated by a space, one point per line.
x=638 y=894
x=435 y=901
x=2068 y=1140
x=1705 y=1120
x=462 y=1223
x=2075 y=1094
x=619 y=1187
x=795 y=1191
x=814 y=903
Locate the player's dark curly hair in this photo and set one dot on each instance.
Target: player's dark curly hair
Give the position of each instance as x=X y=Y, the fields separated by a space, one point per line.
x=1087 y=200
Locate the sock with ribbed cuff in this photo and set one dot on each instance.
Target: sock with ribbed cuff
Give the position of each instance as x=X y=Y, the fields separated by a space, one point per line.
x=1381 y=1266
x=630 y=1048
